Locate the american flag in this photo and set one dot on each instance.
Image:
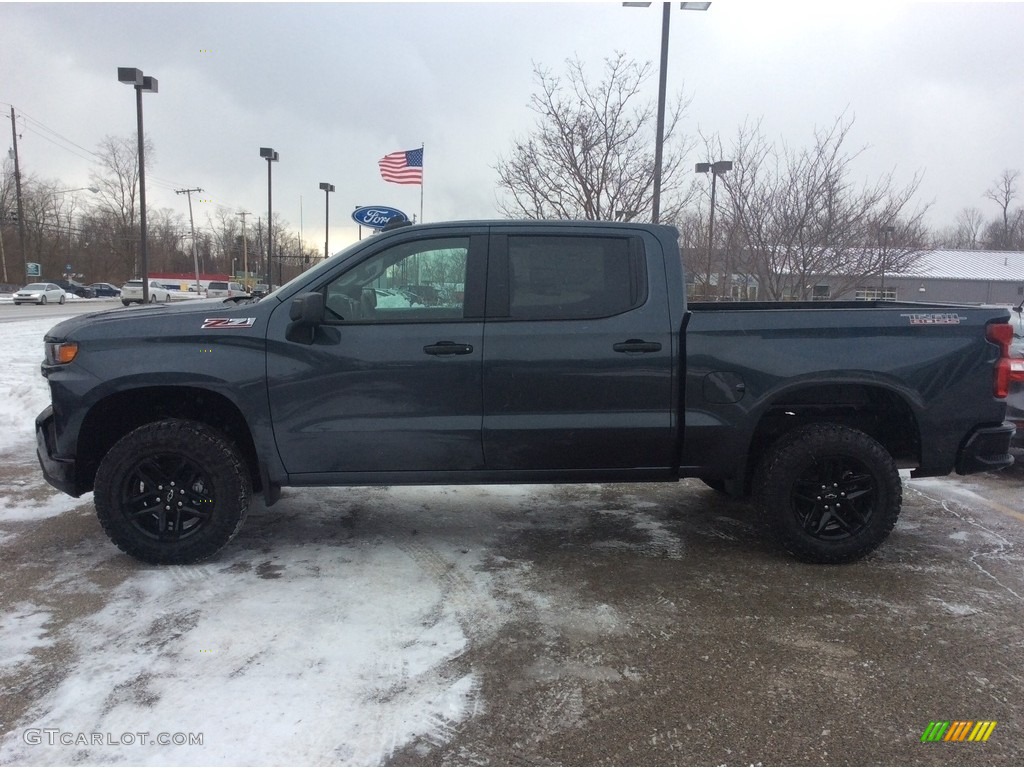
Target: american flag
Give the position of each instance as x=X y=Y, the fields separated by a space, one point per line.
x=402 y=167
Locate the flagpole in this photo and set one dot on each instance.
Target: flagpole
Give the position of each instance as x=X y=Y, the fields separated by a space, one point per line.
x=423 y=155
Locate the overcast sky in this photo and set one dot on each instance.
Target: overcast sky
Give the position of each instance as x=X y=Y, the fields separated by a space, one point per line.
x=936 y=88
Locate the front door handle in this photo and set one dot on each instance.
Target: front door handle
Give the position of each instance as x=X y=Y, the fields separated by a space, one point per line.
x=448 y=348
x=633 y=346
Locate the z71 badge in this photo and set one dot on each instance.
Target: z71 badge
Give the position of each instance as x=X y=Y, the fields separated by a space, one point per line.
x=229 y=323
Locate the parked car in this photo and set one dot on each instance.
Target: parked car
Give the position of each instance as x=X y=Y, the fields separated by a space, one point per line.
x=219 y=289
x=131 y=292
x=105 y=289
x=40 y=293
x=260 y=290
x=421 y=294
x=82 y=291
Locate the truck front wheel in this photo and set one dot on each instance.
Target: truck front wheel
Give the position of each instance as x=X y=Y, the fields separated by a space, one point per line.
x=172 y=492
x=829 y=493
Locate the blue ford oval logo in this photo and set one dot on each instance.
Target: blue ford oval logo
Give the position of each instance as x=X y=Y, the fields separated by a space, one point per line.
x=376 y=216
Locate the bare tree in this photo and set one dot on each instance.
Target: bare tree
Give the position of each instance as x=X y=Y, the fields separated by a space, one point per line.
x=226 y=229
x=964 y=235
x=118 y=182
x=591 y=155
x=801 y=218
x=1008 y=233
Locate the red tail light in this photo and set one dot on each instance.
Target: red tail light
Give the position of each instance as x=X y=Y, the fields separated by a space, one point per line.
x=1006 y=369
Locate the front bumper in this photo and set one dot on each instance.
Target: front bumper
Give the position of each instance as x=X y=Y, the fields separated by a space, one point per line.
x=58 y=471
x=987 y=449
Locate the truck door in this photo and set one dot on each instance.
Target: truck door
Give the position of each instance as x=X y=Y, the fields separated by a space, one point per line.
x=392 y=382
x=578 y=353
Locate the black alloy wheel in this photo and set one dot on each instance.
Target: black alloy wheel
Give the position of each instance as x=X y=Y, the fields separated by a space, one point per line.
x=829 y=493
x=173 y=491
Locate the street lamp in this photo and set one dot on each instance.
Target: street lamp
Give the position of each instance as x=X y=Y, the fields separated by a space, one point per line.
x=716 y=168
x=142 y=84
x=271 y=157
x=327 y=188
x=659 y=139
x=885 y=232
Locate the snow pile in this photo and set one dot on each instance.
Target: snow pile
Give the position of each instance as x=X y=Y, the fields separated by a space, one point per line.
x=25 y=390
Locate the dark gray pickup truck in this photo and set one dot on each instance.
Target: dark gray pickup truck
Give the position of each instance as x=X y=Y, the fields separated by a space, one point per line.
x=505 y=352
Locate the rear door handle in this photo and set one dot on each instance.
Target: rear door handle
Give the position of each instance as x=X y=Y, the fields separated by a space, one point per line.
x=633 y=346
x=448 y=348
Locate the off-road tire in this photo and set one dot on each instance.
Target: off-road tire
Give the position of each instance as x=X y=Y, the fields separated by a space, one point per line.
x=828 y=493
x=172 y=492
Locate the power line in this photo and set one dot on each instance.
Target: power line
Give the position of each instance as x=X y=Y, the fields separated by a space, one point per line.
x=42 y=126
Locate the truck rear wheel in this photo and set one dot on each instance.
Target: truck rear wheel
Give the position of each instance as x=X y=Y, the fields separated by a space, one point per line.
x=172 y=492
x=829 y=493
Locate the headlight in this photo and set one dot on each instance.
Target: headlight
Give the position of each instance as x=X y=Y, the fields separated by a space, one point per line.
x=61 y=352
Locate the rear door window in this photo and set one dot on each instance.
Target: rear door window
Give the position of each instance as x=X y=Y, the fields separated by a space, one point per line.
x=553 y=277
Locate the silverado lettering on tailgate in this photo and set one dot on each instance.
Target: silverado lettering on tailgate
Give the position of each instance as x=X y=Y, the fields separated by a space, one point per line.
x=937 y=318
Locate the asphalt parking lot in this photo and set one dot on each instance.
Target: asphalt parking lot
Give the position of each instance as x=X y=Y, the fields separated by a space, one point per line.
x=712 y=648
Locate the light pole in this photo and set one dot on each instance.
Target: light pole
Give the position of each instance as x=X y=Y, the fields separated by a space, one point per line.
x=716 y=168
x=142 y=83
x=327 y=188
x=659 y=139
x=271 y=157
x=885 y=233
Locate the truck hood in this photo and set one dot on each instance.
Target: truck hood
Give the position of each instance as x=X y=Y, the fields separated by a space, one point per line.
x=182 y=318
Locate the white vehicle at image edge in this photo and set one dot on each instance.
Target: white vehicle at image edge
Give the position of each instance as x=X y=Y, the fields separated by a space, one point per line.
x=218 y=289
x=131 y=292
x=40 y=293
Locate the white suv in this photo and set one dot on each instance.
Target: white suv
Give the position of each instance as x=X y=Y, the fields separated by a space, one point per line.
x=218 y=289
x=131 y=292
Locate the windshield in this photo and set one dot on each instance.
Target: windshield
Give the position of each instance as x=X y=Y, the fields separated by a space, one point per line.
x=35 y=287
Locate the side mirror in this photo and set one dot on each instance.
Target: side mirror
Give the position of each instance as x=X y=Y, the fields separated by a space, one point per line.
x=306 y=312
x=307 y=309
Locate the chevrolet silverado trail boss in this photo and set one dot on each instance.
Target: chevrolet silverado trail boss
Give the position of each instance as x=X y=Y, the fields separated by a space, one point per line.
x=546 y=352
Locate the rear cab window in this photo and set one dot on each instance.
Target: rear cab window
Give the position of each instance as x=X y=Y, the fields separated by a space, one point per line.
x=571 y=277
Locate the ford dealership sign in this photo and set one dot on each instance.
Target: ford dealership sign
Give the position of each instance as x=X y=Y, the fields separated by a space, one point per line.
x=376 y=216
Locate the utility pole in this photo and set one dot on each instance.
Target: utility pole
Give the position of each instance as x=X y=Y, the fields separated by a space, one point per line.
x=192 y=223
x=17 y=189
x=3 y=256
x=245 y=250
